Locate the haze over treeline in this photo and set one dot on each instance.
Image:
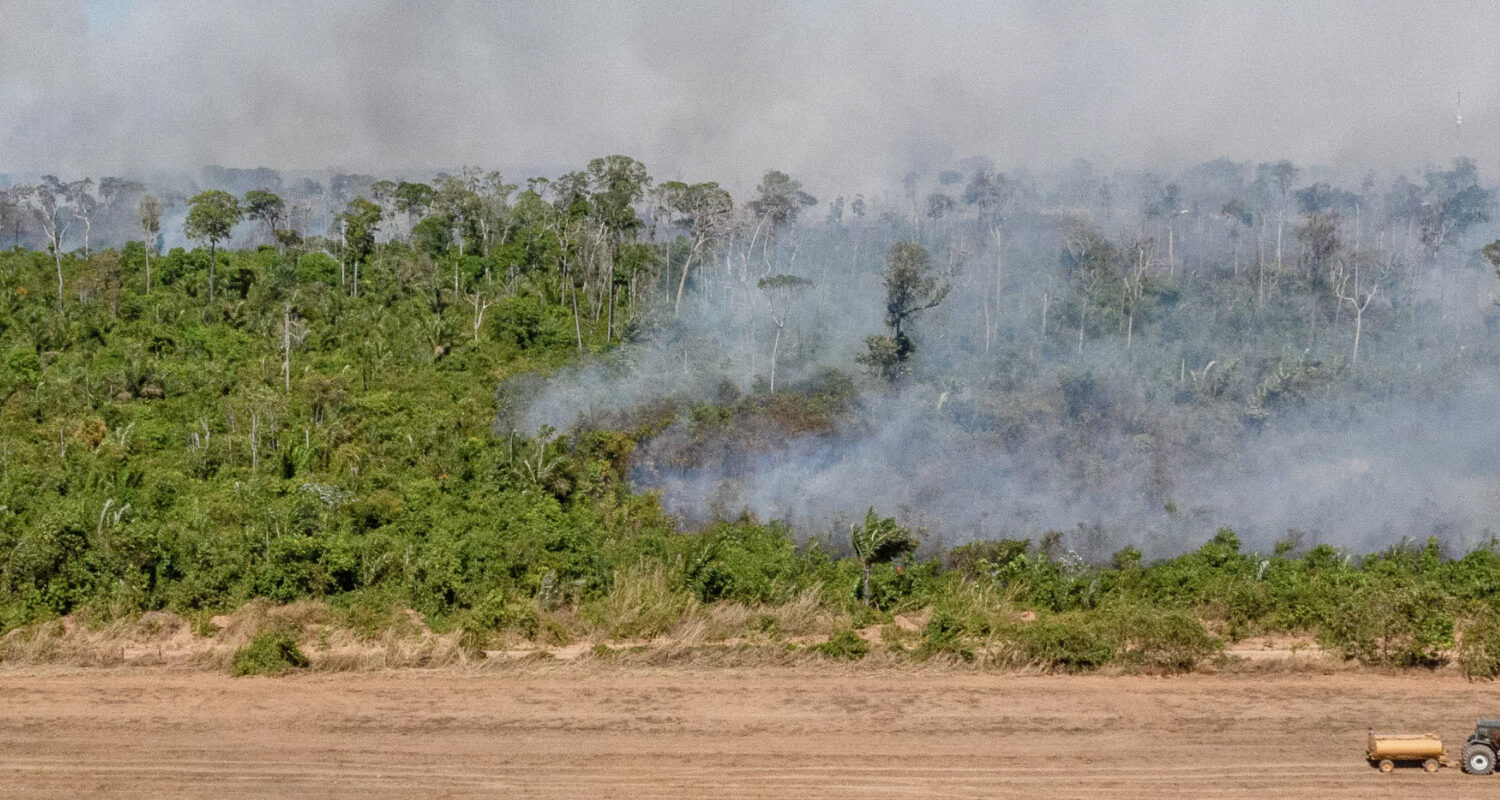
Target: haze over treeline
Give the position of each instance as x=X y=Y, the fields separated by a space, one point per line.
x=846 y=95
x=997 y=270
x=1132 y=356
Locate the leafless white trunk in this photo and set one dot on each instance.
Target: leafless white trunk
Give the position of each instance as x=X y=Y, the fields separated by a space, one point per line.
x=481 y=305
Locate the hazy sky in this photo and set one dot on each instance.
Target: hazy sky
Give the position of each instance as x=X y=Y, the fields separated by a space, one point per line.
x=836 y=92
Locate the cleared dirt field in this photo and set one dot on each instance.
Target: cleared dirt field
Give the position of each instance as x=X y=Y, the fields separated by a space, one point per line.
x=580 y=731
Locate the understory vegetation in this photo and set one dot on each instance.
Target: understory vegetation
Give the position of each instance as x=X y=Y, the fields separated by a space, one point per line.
x=334 y=418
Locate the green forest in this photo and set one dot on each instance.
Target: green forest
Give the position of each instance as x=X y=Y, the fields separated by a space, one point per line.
x=371 y=394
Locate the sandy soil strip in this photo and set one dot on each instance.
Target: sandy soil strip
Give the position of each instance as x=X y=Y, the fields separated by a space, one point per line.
x=574 y=731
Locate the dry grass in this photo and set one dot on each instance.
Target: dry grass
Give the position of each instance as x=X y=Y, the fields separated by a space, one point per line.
x=163 y=639
x=643 y=603
x=642 y=622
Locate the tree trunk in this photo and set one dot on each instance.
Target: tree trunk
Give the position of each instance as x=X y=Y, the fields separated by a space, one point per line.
x=992 y=325
x=1260 y=264
x=57 y=256
x=681 y=284
x=213 y=263
x=577 y=325
x=864 y=591
x=1171 y=251
x=609 y=325
x=986 y=325
x=1280 y=222
x=286 y=348
x=1359 y=315
x=775 y=348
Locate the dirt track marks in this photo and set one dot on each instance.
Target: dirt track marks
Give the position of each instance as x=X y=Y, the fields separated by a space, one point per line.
x=744 y=734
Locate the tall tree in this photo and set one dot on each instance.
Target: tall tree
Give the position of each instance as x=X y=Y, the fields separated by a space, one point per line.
x=361 y=220
x=84 y=203
x=707 y=211
x=912 y=285
x=211 y=217
x=453 y=201
x=779 y=199
x=268 y=209
x=493 y=207
x=1275 y=184
x=47 y=202
x=412 y=201
x=781 y=291
x=150 y=219
x=617 y=184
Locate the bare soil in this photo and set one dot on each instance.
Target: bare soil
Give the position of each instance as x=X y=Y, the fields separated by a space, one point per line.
x=572 y=730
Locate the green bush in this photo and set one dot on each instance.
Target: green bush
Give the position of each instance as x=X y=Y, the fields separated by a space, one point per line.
x=496 y=615
x=1157 y=640
x=844 y=645
x=268 y=653
x=978 y=559
x=1062 y=645
x=1391 y=624
x=1479 y=646
x=893 y=586
x=953 y=633
x=745 y=562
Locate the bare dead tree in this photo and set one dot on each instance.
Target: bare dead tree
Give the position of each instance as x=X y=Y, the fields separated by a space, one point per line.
x=47 y=204
x=84 y=203
x=482 y=304
x=781 y=291
x=1356 y=301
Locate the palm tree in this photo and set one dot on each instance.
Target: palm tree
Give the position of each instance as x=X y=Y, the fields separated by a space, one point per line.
x=880 y=541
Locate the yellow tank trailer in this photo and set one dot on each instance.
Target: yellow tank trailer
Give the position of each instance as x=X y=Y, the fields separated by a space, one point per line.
x=1386 y=750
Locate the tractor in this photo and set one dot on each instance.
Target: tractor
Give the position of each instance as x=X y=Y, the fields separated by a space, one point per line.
x=1479 y=750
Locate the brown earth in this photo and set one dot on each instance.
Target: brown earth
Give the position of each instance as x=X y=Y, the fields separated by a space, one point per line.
x=574 y=730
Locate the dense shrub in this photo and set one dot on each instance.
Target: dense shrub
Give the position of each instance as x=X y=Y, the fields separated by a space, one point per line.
x=979 y=559
x=1061 y=644
x=1479 y=646
x=894 y=586
x=268 y=653
x=1157 y=640
x=844 y=645
x=745 y=562
x=1392 y=625
x=953 y=632
x=497 y=614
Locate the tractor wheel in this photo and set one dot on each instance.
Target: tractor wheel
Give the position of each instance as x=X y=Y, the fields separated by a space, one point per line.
x=1431 y=765
x=1479 y=759
x=1386 y=765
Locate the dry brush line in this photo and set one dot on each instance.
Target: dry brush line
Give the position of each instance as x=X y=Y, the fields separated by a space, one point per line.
x=670 y=628
x=209 y=643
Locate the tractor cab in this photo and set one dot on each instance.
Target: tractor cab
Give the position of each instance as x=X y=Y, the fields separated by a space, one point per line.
x=1481 y=747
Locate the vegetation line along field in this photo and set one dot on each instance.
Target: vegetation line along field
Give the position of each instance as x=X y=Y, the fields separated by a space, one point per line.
x=1066 y=421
